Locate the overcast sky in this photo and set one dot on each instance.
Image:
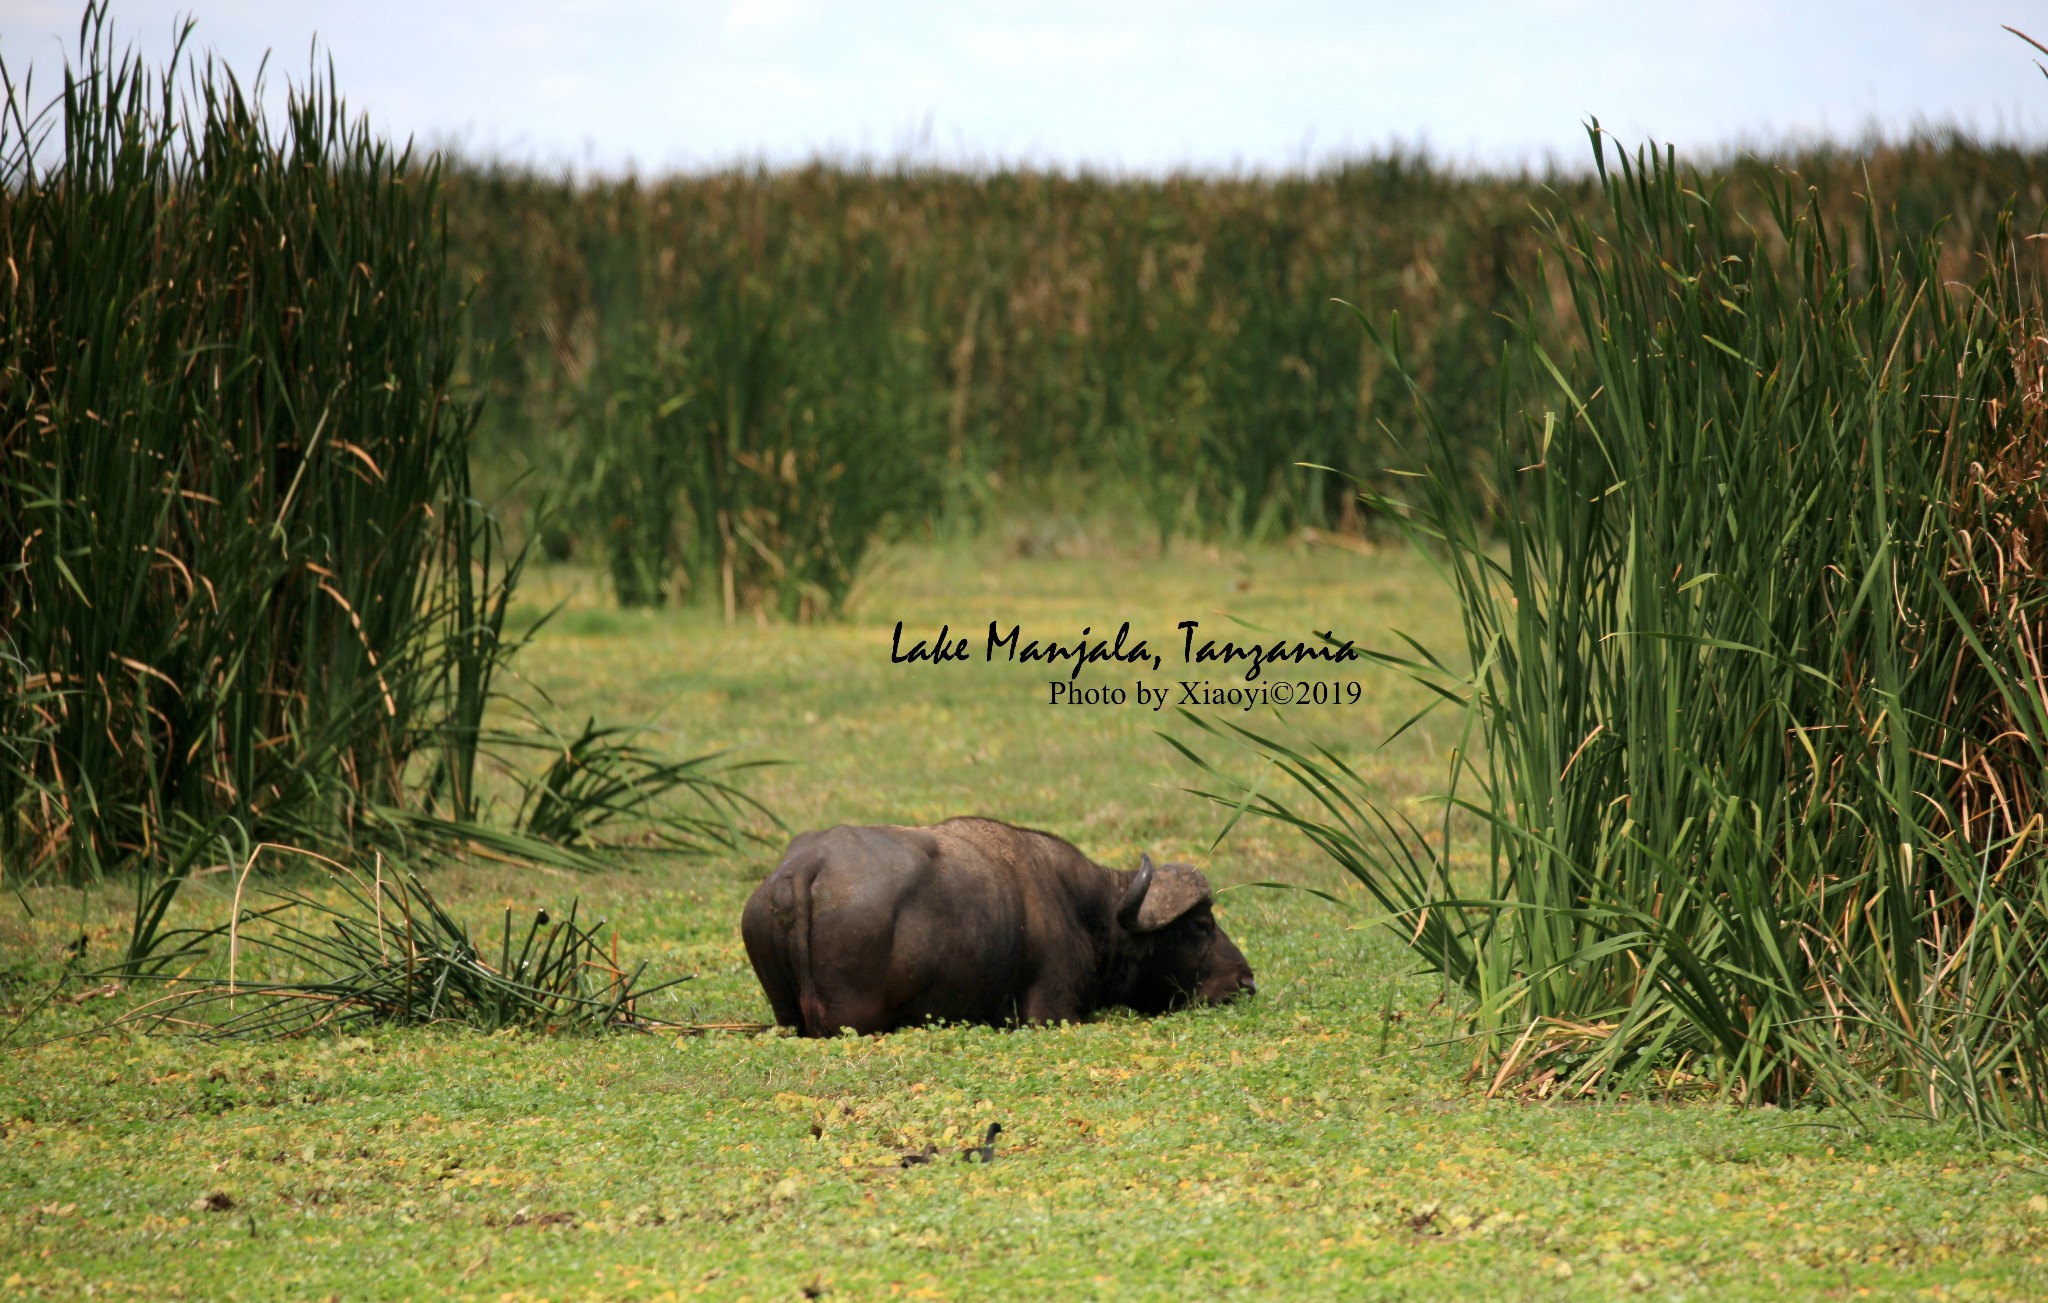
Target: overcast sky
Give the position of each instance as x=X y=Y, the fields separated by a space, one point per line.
x=1119 y=84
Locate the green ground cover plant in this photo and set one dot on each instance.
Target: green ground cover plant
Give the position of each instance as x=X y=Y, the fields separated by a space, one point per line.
x=1323 y=1140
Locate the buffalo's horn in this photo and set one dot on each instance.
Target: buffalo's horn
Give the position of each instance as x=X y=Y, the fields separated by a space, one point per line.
x=1134 y=895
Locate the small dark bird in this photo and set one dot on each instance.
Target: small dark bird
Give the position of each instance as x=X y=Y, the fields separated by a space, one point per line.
x=912 y=1160
x=986 y=1150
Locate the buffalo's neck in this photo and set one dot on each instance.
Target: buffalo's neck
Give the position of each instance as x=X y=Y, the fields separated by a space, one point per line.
x=1119 y=978
x=1108 y=974
x=1118 y=954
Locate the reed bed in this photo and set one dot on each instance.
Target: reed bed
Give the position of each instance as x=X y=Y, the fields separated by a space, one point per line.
x=244 y=574
x=248 y=593
x=1756 y=725
x=652 y=348
x=820 y=353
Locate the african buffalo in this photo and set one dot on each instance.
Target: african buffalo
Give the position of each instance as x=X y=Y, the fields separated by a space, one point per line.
x=976 y=921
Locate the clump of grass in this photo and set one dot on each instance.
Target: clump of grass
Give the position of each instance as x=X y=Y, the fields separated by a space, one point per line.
x=385 y=953
x=602 y=777
x=1754 y=725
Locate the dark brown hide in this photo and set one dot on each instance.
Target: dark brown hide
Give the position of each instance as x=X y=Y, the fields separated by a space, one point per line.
x=973 y=920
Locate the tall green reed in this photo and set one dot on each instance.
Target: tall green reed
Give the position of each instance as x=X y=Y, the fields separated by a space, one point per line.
x=236 y=482
x=247 y=592
x=801 y=429
x=1754 y=725
x=1168 y=341
x=734 y=420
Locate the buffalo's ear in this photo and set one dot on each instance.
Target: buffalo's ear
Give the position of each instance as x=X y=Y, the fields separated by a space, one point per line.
x=1176 y=889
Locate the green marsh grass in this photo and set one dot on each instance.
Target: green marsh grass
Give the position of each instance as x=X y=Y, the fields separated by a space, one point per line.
x=1174 y=339
x=1169 y=344
x=1753 y=740
x=248 y=594
x=243 y=571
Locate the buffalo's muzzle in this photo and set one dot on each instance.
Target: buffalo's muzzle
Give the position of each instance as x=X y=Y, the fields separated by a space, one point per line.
x=1228 y=990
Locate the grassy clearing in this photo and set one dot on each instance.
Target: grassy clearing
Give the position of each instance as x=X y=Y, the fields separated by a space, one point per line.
x=1307 y=1143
